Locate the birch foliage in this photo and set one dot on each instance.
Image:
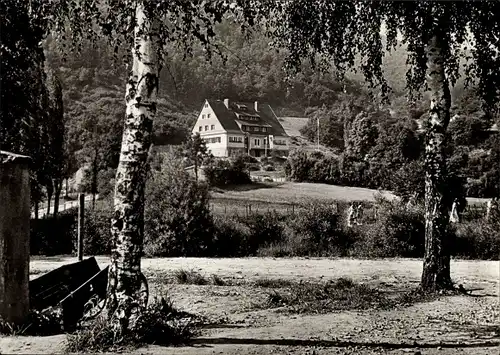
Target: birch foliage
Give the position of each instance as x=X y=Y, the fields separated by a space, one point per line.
x=439 y=36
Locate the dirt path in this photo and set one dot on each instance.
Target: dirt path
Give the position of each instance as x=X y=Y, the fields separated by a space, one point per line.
x=450 y=325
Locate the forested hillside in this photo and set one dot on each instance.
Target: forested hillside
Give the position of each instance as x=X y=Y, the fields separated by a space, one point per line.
x=376 y=138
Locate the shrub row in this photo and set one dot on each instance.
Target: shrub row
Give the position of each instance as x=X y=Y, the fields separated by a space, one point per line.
x=318 y=230
x=57 y=236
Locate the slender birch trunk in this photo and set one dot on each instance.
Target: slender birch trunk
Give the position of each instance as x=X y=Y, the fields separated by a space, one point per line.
x=49 y=198
x=127 y=223
x=57 y=195
x=436 y=270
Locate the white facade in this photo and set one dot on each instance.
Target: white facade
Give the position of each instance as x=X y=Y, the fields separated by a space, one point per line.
x=243 y=138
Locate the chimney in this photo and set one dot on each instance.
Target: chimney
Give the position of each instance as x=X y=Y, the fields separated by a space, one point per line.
x=226 y=103
x=256 y=106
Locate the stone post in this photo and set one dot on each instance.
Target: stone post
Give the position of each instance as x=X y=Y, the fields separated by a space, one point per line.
x=14 y=237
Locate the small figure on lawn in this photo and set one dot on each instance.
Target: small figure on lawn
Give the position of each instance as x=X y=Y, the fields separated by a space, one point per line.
x=454 y=218
x=350 y=215
x=492 y=210
x=359 y=213
x=353 y=214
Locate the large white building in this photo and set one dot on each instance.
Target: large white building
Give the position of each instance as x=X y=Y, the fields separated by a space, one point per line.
x=229 y=128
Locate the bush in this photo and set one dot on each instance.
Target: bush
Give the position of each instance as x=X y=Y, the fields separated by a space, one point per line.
x=160 y=324
x=477 y=240
x=54 y=235
x=37 y=323
x=263 y=230
x=245 y=158
x=398 y=231
x=342 y=294
x=189 y=277
x=223 y=173
x=317 y=231
x=97 y=231
x=229 y=239
x=177 y=216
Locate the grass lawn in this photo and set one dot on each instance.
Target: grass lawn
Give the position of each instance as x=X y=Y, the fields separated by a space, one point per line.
x=295 y=192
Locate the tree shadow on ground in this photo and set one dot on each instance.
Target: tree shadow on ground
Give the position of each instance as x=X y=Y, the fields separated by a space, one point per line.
x=246 y=187
x=338 y=343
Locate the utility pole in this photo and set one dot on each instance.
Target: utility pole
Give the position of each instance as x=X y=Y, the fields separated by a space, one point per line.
x=81 y=214
x=248 y=143
x=317 y=121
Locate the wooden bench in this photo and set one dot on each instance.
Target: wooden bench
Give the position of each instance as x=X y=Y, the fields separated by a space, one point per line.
x=70 y=286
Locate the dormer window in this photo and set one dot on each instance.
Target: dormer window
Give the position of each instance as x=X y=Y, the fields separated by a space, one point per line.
x=241 y=107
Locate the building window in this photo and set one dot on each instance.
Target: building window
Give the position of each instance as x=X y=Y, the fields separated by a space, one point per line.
x=200 y=128
x=235 y=140
x=257 y=141
x=212 y=127
x=208 y=115
x=264 y=129
x=206 y=104
x=203 y=116
x=256 y=129
x=213 y=140
x=206 y=128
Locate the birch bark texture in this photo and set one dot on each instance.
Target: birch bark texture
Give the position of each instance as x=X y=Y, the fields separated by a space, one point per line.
x=436 y=269
x=127 y=223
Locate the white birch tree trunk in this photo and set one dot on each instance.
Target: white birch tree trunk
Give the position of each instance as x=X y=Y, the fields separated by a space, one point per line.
x=127 y=224
x=436 y=269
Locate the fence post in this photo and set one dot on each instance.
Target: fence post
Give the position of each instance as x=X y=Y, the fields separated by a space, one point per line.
x=81 y=214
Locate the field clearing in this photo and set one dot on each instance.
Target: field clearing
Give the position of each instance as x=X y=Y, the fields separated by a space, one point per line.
x=287 y=193
x=300 y=192
x=448 y=325
x=293 y=125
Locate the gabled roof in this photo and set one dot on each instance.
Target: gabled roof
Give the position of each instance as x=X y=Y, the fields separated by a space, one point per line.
x=225 y=117
x=228 y=118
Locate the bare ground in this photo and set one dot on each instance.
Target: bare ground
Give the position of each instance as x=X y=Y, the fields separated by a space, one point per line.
x=449 y=325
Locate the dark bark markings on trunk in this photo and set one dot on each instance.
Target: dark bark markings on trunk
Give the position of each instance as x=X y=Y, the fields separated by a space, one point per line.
x=128 y=219
x=436 y=269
